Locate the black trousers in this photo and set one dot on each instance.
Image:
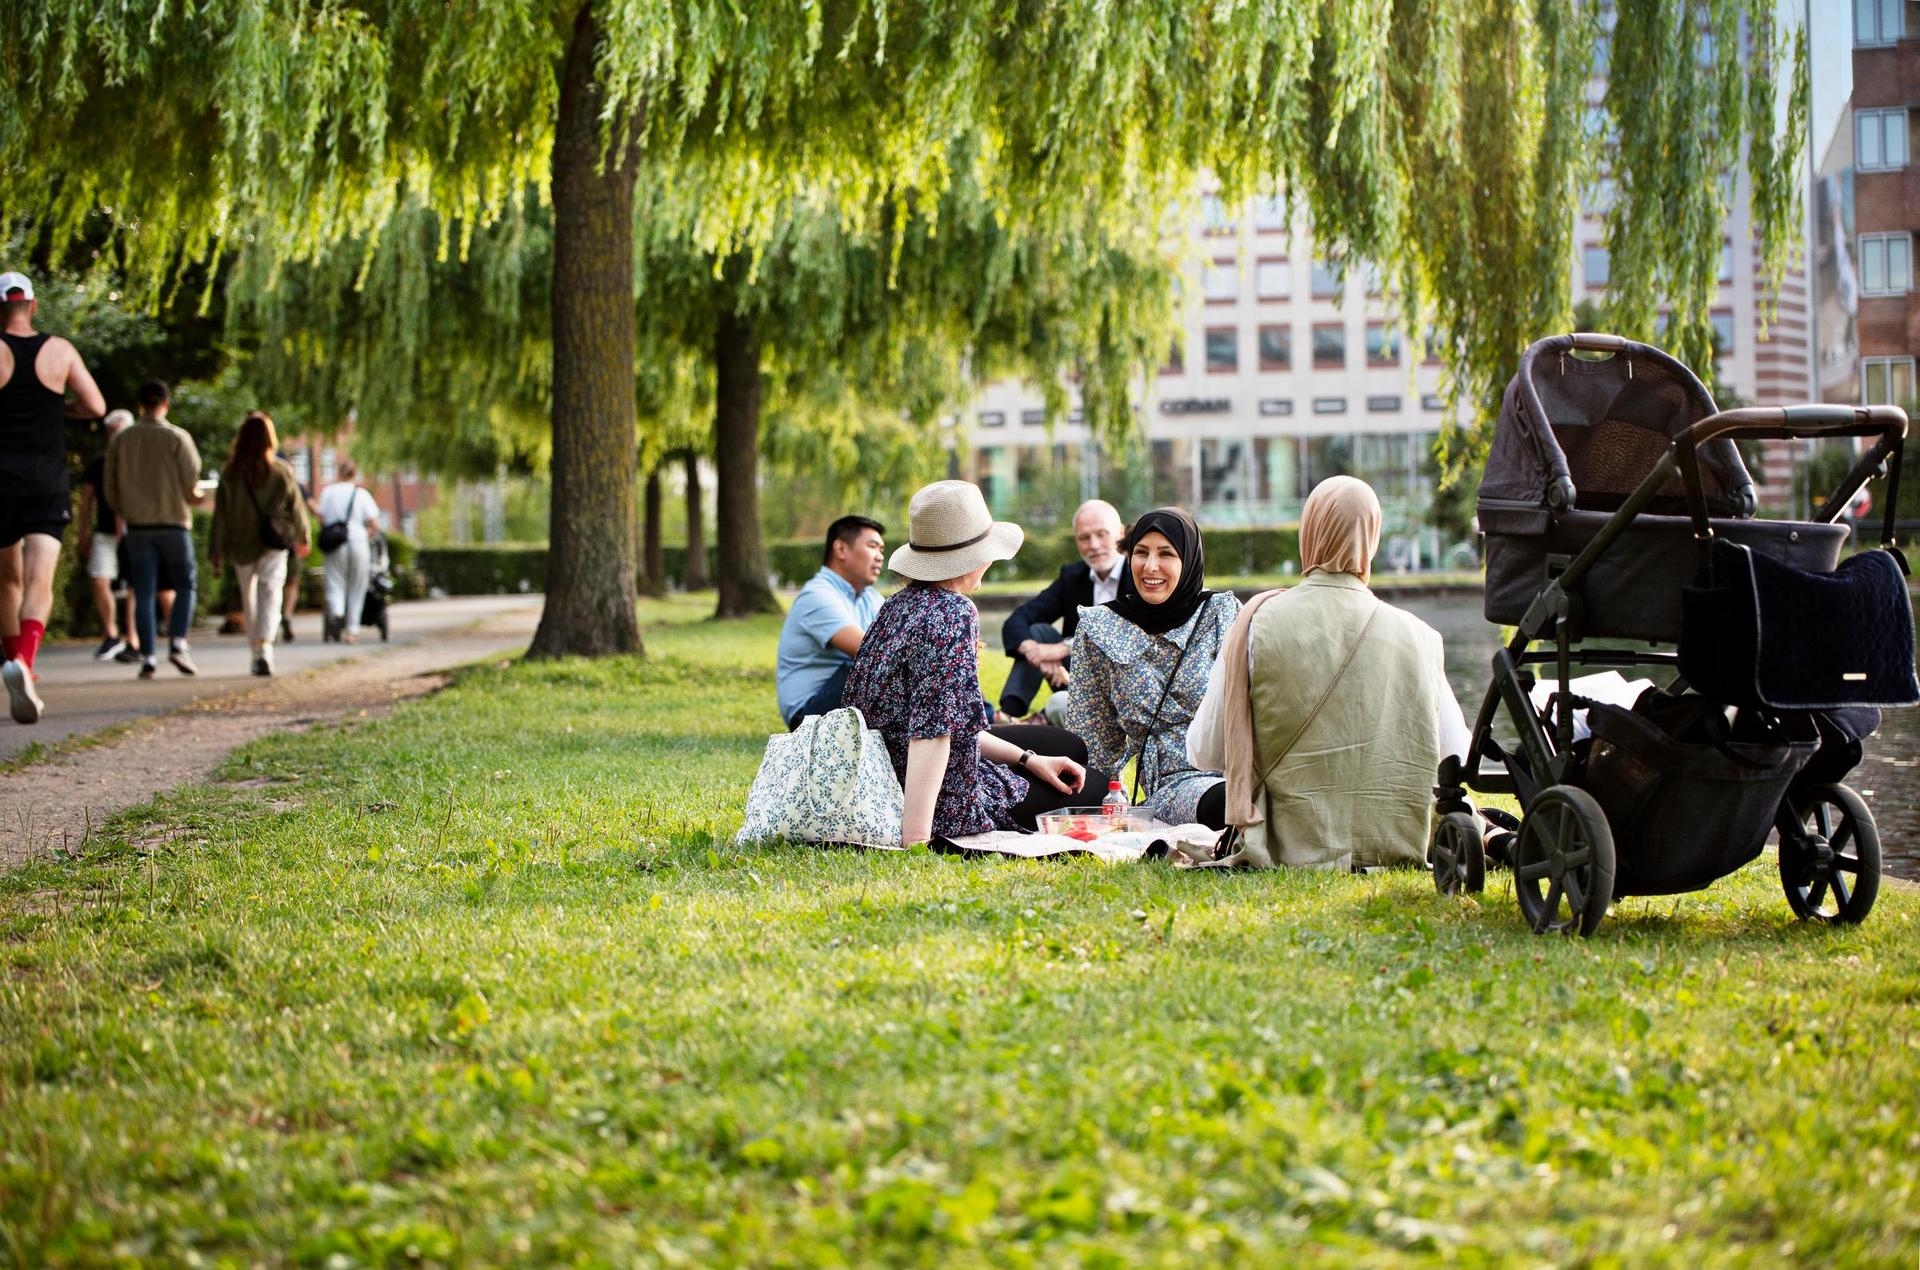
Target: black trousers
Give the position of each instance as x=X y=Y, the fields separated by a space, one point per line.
x=1042 y=797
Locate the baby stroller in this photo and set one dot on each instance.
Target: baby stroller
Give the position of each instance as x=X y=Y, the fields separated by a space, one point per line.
x=373 y=610
x=379 y=585
x=1617 y=510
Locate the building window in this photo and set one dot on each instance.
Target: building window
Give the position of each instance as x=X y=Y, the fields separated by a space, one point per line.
x=1329 y=405
x=1220 y=281
x=1382 y=405
x=1722 y=320
x=1876 y=21
x=1886 y=263
x=1033 y=418
x=993 y=418
x=1432 y=343
x=1276 y=348
x=1432 y=401
x=1598 y=265
x=1272 y=406
x=1176 y=360
x=1880 y=140
x=1383 y=345
x=327 y=467
x=1273 y=279
x=1599 y=198
x=1376 y=284
x=1326 y=282
x=1270 y=215
x=1886 y=381
x=1223 y=349
x=1329 y=345
x=1726 y=262
x=1213 y=216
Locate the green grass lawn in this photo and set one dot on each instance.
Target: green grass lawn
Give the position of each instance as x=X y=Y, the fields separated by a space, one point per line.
x=484 y=981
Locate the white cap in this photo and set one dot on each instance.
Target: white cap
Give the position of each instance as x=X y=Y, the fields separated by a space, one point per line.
x=12 y=282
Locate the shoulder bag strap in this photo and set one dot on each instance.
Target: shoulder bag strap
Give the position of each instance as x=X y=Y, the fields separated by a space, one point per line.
x=1314 y=713
x=1153 y=724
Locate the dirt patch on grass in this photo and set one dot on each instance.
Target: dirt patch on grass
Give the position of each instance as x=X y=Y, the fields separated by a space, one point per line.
x=51 y=808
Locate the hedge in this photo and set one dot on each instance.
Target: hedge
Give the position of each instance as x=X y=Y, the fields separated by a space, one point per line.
x=507 y=568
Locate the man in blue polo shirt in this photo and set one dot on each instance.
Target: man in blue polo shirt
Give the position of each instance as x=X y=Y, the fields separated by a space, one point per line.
x=828 y=620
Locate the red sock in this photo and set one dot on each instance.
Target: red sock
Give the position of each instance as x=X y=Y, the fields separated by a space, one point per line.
x=28 y=642
x=9 y=647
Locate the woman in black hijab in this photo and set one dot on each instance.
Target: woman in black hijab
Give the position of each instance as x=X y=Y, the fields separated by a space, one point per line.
x=1140 y=667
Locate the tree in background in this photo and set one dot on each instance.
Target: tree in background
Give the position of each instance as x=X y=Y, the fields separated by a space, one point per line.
x=1441 y=139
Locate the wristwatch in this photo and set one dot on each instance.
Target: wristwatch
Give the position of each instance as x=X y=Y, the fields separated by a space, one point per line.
x=1021 y=762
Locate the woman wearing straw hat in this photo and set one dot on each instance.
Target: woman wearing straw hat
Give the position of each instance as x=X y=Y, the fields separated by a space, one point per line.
x=917 y=683
x=1329 y=710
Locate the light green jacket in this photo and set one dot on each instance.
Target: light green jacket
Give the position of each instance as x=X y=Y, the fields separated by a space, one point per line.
x=1356 y=789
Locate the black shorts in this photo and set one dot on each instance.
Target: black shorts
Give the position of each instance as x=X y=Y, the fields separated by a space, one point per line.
x=34 y=514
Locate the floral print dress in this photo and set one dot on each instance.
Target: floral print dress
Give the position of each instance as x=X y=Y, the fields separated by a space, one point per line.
x=918 y=676
x=1119 y=674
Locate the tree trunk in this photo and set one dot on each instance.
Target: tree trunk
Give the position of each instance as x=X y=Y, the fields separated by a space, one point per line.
x=590 y=564
x=653 y=557
x=696 y=579
x=742 y=575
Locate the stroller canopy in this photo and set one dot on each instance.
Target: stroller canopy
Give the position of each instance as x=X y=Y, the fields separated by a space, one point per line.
x=1580 y=434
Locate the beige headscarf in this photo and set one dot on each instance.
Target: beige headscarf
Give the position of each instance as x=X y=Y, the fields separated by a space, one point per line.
x=1339 y=532
x=1340 y=528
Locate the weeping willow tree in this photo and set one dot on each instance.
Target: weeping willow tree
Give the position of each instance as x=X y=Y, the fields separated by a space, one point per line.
x=1442 y=140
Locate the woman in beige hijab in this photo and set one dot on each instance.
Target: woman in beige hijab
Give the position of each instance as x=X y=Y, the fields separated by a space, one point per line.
x=1328 y=709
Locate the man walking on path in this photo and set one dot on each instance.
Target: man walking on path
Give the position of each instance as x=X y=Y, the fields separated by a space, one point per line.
x=828 y=621
x=152 y=472
x=98 y=520
x=37 y=372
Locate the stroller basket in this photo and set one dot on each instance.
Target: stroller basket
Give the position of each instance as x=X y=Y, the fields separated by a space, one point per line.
x=1685 y=809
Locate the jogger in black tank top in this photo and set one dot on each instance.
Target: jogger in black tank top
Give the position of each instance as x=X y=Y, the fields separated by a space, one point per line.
x=36 y=373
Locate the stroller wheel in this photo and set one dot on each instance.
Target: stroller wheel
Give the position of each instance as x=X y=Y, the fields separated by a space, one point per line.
x=1829 y=856
x=1563 y=862
x=1457 y=860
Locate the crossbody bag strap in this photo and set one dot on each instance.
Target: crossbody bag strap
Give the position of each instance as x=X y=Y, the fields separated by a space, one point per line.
x=1314 y=713
x=1154 y=723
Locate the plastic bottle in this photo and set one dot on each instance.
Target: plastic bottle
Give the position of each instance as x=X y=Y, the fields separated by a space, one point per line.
x=1115 y=803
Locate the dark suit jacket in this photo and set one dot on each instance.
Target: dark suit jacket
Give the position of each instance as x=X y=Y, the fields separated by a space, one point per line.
x=1060 y=602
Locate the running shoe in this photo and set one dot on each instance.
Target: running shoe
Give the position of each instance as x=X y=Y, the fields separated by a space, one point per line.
x=286 y=630
x=182 y=662
x=127 y=656
x=108 y=647
x=25 y=701
x=146 y=669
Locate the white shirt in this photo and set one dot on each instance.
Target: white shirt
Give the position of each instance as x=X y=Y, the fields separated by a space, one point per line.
x=343 y=500
x=1106 y=590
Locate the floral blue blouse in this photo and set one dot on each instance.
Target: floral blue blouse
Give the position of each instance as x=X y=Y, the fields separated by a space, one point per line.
x=918 y=676
x=1119 y=674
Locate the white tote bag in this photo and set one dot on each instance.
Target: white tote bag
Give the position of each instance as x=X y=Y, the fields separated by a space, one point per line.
x=829 y=780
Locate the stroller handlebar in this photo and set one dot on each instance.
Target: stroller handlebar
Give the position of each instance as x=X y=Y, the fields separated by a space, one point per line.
x=1800 y=421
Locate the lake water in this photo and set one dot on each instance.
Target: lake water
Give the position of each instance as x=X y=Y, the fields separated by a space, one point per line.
x=1888 y=776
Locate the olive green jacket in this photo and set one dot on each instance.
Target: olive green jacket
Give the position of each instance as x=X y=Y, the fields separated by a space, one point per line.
x=235 y=535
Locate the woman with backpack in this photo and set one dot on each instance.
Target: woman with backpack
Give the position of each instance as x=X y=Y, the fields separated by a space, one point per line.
x=258 y=517
x=346 y=512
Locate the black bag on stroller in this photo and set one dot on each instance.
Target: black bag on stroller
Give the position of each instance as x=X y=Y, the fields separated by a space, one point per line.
x=1689 y=796
x=1755 y=631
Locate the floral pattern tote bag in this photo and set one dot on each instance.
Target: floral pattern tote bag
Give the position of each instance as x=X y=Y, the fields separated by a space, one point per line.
x=829 y=780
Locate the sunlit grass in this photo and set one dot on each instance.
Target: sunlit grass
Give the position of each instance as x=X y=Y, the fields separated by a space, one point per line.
x=485 y=981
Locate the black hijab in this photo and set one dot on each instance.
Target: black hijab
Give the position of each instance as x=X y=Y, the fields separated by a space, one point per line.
x=1189 y=593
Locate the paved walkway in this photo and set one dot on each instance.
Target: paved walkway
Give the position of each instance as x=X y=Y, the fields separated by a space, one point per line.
x=83 y=696
x=179 y=729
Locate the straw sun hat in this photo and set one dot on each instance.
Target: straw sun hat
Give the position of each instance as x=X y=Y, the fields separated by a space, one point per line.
x=951 y=533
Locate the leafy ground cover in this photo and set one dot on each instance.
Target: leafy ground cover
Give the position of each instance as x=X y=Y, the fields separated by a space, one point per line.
x=484 y=981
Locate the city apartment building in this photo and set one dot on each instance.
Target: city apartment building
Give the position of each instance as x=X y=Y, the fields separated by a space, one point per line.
x=1885 y=199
